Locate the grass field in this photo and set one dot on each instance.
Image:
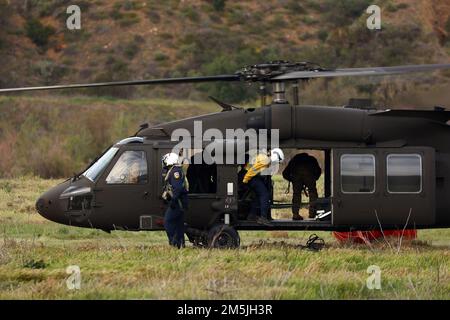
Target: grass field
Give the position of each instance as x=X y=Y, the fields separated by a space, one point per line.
x=34 y=255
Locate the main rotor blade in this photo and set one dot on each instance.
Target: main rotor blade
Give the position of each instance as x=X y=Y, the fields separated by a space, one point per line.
x=354 y=72
x=129 y=83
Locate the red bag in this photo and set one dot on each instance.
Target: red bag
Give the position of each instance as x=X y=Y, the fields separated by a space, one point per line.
x=374 y=235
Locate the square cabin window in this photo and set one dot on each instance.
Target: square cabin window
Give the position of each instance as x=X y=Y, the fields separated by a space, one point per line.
x=404 y=173
x=131 y=168
x=358 y=173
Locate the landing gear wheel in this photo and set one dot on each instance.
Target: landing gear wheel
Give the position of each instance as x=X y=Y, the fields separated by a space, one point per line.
x=223 y=237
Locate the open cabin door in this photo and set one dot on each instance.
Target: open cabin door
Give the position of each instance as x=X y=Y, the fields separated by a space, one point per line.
x=387 y=186
x=212 y=191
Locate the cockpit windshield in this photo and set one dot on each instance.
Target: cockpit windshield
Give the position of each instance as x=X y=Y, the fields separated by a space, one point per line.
x=98 y=166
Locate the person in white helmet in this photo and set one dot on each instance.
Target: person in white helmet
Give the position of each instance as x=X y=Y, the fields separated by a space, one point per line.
x=175 y=194
x=256 y=182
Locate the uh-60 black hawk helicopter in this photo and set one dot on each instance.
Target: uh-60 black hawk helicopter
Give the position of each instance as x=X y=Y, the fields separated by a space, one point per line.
x=382 y=168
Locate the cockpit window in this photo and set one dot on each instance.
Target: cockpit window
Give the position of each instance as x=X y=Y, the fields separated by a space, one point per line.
x=131 y=168
x=98 y=166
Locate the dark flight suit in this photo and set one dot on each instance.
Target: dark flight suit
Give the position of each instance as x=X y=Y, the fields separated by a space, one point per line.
x=259 y=185
x=303 y=171
x=174 y=216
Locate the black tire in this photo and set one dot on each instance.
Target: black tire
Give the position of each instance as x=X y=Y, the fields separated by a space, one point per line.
x=223 y=237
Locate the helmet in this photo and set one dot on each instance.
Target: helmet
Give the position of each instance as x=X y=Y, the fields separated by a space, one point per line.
x=276 y=155
x=170 y=159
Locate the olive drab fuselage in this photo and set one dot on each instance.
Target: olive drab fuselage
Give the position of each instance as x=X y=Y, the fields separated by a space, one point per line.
x=379 y=139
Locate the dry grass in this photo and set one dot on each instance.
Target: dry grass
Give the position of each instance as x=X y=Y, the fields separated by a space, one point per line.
x=34 y=254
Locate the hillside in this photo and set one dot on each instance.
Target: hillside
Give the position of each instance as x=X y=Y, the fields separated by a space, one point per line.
x=136 y=39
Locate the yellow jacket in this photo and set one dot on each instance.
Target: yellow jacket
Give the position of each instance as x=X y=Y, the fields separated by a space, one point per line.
x=262 y=162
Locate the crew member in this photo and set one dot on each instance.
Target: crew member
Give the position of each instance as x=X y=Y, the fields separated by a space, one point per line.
x=257 y=183
x=175 y=194
x=303 y=171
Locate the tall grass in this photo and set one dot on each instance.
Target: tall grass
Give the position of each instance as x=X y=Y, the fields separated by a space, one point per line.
x=56 y=136
x=34 y=255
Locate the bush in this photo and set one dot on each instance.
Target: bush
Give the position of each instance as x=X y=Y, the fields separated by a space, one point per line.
x=218 y=5
x=322 y=35
x=130 y=5
x=133 y=46
x=153 y=16
x=191 y=13
x=129 y=19
x=38 y=33
x=295 y=7
x=340 y=13
x=160 y=56
x=114 y=70
x=5 y=12
x=447 y=29
x=278 y=22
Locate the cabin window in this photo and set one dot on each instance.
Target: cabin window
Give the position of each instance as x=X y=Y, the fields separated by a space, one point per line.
x=358 y=173
x=404 y=173
x=131 y=168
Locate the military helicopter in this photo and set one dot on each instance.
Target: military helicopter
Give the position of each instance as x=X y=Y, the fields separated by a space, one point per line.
x=383 y=169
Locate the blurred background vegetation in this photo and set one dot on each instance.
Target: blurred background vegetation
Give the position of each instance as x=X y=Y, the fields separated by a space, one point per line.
x=55 y=135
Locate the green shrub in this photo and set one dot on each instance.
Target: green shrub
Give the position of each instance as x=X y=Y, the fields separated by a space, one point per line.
x=33 y=264
x=5 y=12
x=447 y=26
x=278 y=22
x=191 y=13
x=115 y=69
x=322 y=35
x=153 y=16
x=129 y=20
x=38 y=33
x=218 y=5
x=295 y=7
x=306 y=36
x=160 y=56
x=115 y=14
x=308 y=20
x=131 y=5
x=341 y=13
x=131 y=49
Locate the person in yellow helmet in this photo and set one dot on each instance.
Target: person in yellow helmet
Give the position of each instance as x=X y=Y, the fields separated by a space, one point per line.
x=256 y=182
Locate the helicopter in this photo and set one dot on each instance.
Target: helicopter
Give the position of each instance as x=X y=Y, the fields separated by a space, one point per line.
x=383 y=168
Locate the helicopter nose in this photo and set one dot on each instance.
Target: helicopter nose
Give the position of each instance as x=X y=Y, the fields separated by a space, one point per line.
x=45 y=207
x=48 y=205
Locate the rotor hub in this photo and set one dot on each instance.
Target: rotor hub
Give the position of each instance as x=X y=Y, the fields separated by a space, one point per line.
x=265 y=71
